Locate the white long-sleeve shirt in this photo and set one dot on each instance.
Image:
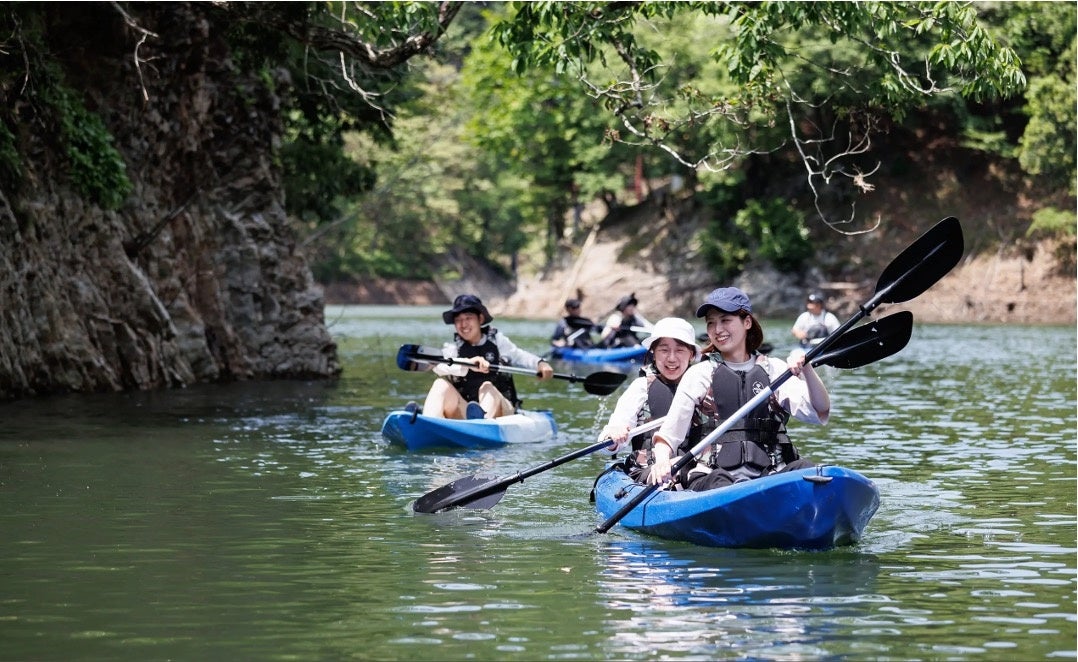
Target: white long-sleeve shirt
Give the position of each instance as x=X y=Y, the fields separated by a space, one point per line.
x=627 y=409
x=507 y=350
x=792 y=395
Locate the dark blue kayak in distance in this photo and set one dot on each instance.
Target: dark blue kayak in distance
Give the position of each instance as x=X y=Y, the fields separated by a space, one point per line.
x=600 y=354
x=816 y=508
x=419 y=432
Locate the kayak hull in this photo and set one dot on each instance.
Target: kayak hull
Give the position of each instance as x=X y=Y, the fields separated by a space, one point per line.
x=599 y=354
x=418 y=432
x=815 y=508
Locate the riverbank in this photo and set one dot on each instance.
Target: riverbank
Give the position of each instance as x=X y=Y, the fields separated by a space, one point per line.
x=998 y=288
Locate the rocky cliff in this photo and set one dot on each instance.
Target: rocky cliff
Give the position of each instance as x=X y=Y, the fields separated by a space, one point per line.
x=197 y=276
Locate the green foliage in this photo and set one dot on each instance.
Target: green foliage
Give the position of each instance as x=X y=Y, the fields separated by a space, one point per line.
x=39 y=95
x=811 y=83
x=318 y=110
x=556 y=103
x=319 y=178
x=1043 y=33
x=769 y=230
x=538 y=128
x=97 y=170
x=434 y=193
x=1048 y=146
x=1058 y=225
x=1053 y=223
x=891 y=44
x=777 y=231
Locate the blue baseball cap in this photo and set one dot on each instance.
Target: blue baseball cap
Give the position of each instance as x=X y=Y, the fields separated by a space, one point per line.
x=726 y=299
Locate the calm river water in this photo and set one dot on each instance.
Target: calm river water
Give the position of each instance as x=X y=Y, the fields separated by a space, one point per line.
x=272 y=522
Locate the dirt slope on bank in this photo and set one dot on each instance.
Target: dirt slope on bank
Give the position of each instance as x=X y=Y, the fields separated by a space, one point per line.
x=995 y=288
x=985 y=289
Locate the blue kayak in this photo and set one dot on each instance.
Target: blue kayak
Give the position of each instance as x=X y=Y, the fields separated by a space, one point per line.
x=417 y=432
x=816 y=508
x=599 y=354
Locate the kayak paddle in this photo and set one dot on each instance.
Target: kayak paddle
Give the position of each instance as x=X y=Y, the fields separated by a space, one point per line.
x=915 y=270
x=858 y=347
x=479 y=492
x=568 y=341
x=409 y=357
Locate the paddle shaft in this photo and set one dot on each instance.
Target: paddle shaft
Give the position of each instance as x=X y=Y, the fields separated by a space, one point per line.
x=576 y=334
x=866 y=309
x=431 y=358
x=500 y=485
x=597 y=383
x=605 y=443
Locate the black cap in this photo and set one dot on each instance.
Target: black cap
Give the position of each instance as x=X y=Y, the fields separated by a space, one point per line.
x=625 y=302
x=572 y=303
x=815 y=297
x=468 y=302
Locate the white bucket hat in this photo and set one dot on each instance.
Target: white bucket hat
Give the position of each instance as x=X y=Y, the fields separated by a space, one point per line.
x=676 y=328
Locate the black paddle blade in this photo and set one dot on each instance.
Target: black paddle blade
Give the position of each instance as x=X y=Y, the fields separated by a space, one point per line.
x=577 y=322
x=463 y=493
x=923 y=263
x=603 y=383
x=869 y=342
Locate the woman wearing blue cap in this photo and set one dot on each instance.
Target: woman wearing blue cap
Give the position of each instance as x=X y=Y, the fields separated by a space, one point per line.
x=732 y=373
x=472 y=391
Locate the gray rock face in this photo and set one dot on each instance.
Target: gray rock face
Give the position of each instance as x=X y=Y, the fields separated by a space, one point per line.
x=198 y=277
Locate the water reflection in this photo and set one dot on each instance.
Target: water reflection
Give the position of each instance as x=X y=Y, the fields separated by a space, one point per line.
x=272 y=521
x=709 y=602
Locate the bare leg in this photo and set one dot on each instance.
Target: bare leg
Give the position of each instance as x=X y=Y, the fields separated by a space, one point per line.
x=489 y=399
x=493 y=402
x=443 y=401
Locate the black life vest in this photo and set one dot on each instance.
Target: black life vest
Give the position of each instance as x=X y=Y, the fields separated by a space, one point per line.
x=468 y=385
x=624 y=336
x=574 y=323
x=758 y=440
x=816 y=331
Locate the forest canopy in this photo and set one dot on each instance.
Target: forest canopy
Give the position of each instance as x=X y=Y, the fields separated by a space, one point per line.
x=415 y=129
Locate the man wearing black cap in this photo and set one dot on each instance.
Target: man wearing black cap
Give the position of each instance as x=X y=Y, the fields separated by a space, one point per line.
x=473 y=391
x=573 y=330
x=815 y=323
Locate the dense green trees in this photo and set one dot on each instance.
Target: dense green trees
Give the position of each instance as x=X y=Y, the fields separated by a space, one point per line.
x=540 y=105
x=418 y=128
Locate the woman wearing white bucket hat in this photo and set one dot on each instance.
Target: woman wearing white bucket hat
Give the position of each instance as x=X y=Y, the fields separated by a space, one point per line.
x=671 y=350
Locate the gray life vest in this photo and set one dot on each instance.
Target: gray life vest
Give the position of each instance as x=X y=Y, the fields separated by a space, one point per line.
x=759 y=440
